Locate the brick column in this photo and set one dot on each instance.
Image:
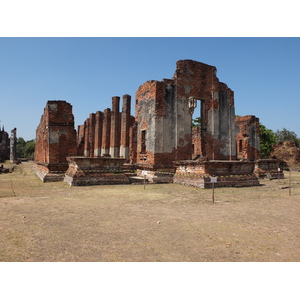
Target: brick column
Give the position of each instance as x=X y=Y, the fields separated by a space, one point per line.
x=86 y=151
x=92 y=122
x=80 y=140
x=132 y=140
x=125 y=119
x=106 y=132
x=115 y=128
x=98 y=134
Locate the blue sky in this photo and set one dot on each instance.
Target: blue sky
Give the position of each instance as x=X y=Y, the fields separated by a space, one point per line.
x=88 y=72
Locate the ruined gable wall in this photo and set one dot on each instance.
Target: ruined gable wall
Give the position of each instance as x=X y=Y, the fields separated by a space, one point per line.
x=198 y=80
x=164 y=114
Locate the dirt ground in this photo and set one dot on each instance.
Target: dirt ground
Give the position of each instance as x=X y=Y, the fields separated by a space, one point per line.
x=163 y=223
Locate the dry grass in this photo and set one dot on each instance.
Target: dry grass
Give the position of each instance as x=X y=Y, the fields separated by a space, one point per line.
x=55 y=222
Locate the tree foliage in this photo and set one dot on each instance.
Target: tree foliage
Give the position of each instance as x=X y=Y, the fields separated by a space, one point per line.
x=20 y=147
x=29 y=149
x=286 y=135
x=25 y=149
x=196 y=122
x=267 y=141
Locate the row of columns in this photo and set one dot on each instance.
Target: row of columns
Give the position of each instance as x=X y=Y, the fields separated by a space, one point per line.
x=107 y=133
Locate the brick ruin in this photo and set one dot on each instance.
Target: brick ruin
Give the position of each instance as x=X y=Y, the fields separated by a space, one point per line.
x=8 y=146
x=55 y=141
x=160 y=139
x=4 y=145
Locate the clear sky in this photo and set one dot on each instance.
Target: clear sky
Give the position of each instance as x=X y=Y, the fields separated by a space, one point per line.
x=88 y=72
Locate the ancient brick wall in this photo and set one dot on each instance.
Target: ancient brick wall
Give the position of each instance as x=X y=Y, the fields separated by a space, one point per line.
x=248 y=137
x=55 y=136
x=164 y=116
x=196 y=142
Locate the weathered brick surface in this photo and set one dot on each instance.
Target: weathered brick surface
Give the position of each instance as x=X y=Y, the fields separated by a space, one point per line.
x=55 y=137
x=95 y=171
x=268 y=168
x=196 y=141
x=125 y=126
x=228 y=173
x=110 y=133
x=114 y=149
x=98 y=134
x=248 y=137
x=164 y=115
x=106 y=132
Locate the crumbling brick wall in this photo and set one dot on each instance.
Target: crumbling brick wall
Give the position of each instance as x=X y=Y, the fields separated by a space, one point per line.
x=55 y=136
x=248 y=137
x=164 y=116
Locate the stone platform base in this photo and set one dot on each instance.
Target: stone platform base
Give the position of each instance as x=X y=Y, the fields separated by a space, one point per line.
x=97 y=179
x=228 y=174
x=269 y=168
x=222 y=181
x=157 y=176
x=85 y=171
x=47 y=175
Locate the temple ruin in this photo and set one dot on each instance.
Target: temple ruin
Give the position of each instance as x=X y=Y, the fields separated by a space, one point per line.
x=159 y=142
x=8 y=146
x=4 y=145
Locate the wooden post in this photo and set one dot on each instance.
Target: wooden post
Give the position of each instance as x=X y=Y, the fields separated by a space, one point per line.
x=290 y=188
x=213 y=180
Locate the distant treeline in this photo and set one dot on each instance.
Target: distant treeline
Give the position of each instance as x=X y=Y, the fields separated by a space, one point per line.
x=25 y=149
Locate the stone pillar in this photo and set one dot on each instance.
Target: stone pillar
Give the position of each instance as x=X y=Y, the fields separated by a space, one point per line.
x=106 y=132
x=86 y=151
x=125 y=119
x=98 y=134
x=115 y=128
x=13 y=144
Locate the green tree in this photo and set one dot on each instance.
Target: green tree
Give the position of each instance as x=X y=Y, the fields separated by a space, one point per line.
x=286 y=135
x=20 y=147
x=267 y=141
x=29 y=149
x=196 y=122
